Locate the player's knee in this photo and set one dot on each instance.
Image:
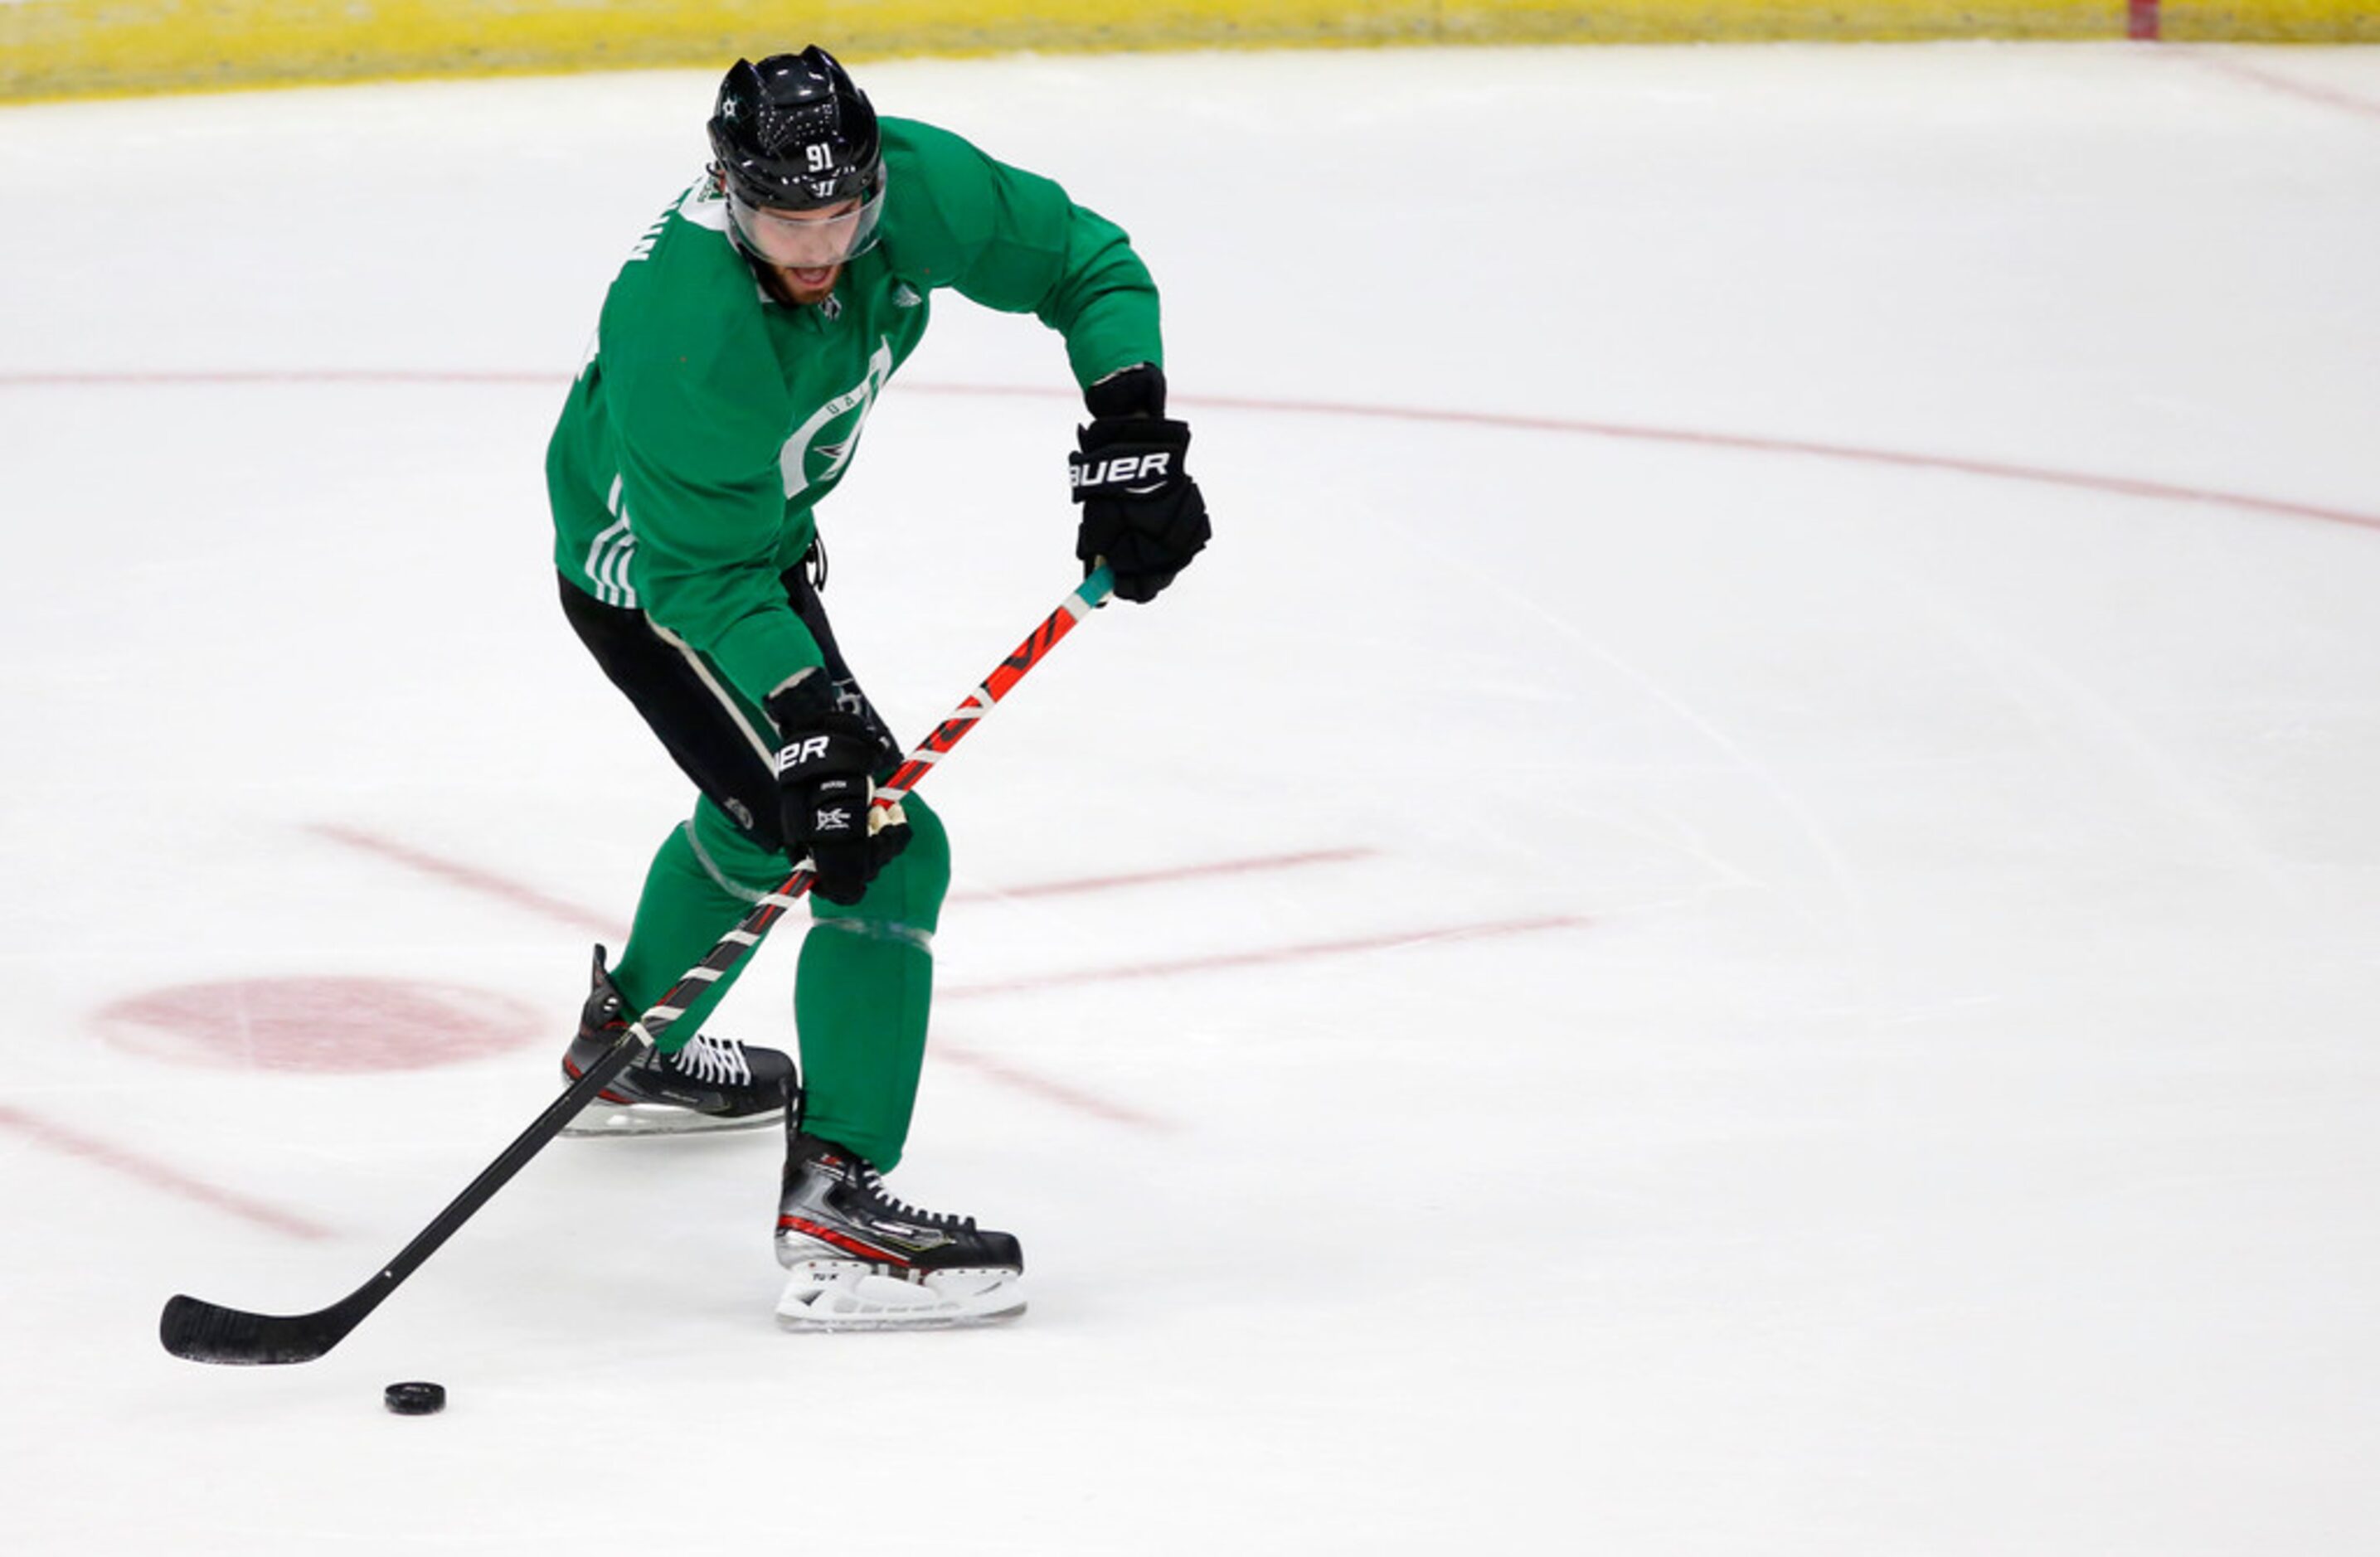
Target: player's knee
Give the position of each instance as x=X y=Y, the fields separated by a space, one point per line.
x=910 y=889
x=929 y=848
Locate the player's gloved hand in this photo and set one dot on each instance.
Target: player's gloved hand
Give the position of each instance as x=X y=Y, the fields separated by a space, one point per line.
x=824 y=789
x=1142 y=514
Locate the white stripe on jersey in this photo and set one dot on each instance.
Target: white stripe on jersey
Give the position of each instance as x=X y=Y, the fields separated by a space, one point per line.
x=763 y=744
x=607 y=559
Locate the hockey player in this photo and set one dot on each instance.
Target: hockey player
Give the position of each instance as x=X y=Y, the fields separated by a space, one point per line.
x=739 y=352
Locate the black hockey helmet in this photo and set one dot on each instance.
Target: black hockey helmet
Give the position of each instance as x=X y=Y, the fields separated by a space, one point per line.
x=792 y=132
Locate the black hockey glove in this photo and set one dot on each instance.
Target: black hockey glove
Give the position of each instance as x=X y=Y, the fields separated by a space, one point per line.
x=1142 y=514
x=824 y=787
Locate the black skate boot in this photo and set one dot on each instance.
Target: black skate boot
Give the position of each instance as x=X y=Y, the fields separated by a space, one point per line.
x=711 y=1084
x=863 y=1260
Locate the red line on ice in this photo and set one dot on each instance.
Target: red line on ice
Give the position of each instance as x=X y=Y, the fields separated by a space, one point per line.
x=1169 y=874
x=471 y=878
x=2239 y=70
x=155 y=1174
x=1995 y=469
x=1042 y=1087
x=1998 y=469
x=177 y=379
x=520 y=895
x=1269 y=955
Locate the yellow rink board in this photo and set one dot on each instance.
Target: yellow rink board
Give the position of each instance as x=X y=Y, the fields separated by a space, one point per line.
x=76 y=47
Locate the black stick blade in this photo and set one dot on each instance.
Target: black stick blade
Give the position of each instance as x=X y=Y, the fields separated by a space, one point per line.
x=210 y=1332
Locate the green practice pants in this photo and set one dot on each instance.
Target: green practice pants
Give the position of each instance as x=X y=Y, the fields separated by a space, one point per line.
x=862 y=989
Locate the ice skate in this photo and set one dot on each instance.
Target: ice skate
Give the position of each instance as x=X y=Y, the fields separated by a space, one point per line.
x=859 y=1259
x=711 y=1084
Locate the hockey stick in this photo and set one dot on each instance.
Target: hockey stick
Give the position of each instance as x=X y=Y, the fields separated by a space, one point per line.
x=205 y=1332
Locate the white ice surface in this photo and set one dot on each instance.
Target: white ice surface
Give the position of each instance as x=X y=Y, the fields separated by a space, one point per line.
x=1949 y=1127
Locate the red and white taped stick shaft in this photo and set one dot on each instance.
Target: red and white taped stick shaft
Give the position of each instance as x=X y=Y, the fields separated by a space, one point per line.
x=1011 y=670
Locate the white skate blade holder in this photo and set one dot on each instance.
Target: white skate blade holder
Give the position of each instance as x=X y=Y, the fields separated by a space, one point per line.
x=849 y=1295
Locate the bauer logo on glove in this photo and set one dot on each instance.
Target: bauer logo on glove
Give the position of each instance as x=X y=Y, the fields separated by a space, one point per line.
x=1138 y=475
x=808 y=749
x=1142 y=514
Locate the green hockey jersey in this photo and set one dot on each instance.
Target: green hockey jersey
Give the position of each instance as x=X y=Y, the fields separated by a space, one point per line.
x=710 y=419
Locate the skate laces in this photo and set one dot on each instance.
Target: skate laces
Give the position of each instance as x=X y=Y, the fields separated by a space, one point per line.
x=719 y=1061
x=873 y=1182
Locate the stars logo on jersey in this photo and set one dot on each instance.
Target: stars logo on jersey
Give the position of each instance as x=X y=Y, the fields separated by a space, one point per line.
x=822 y=446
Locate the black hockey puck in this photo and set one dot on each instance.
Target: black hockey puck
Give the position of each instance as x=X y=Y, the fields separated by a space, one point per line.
x=416 y=1399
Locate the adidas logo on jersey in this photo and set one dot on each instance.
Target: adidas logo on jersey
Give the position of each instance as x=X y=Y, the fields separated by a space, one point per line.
x=906 y=296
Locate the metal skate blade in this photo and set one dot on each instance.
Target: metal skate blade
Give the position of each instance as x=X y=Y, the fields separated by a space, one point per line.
x=601 y=1118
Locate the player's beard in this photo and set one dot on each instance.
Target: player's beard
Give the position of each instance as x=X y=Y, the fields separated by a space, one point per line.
x=809 y=286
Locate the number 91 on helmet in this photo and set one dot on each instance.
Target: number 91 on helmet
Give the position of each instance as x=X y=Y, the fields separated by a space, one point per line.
x=799 y=158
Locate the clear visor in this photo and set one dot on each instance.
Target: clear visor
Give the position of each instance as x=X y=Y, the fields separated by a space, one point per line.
x=806 y=240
